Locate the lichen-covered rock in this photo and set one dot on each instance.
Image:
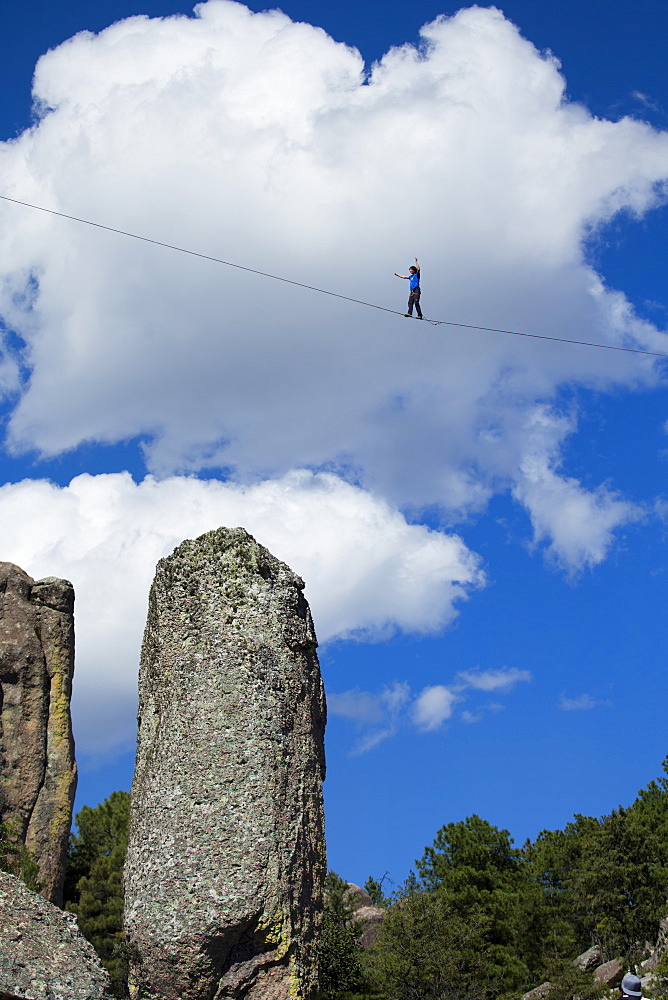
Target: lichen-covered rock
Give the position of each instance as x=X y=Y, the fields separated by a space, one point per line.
x=43 y=956
x=226 y=860
x=37 y=769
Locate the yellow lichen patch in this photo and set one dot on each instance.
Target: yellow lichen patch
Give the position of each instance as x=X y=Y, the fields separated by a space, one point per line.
x=295 y=986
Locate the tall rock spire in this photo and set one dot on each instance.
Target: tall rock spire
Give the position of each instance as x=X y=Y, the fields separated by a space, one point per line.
x=226 y=858
x=37 y=770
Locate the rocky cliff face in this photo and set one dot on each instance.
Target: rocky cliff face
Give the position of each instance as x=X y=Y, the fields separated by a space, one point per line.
x=37 y=769
x=226 y=860
x=43 y=956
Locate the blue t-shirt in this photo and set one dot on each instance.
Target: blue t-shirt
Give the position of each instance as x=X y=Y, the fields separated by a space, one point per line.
x=414 y=281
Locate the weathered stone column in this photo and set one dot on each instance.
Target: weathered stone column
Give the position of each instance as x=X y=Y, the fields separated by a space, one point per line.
x=37 y=770
x=226 y=859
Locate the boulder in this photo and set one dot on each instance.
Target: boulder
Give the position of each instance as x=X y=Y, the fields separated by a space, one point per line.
x=43 y=956
x=659 y=949
x=226 y=858
x=37 y=768
x=371 y=918
x=611 y=973
x=538 y=993
x=358 y=897
x=368 y=915
x=589 y=960
x=648 y=984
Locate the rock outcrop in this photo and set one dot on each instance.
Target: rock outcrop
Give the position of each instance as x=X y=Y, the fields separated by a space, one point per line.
x=539 y=993
x=657 y=952
x=43 y=956
x=611 y=973
x=226 y=858
x=589 y=960
x=369 y=917
x=37 y=768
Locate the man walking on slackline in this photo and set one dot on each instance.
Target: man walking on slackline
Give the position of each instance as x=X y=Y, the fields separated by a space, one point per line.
x=413 y=277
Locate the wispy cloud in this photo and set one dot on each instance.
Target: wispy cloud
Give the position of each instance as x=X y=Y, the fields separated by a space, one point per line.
x=471 y=717
x=646 y=101
x=582 y=703
x=381 y=715
x=493 y=680
x=361 y=707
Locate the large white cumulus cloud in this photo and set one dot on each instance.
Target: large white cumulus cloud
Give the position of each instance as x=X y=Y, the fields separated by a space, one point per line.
x=248 y=137
x=367 y=570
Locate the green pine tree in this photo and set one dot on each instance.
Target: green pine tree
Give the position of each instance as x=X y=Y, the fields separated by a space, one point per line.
x=339 y=955
x=376 y=892
x=426 y=950
x=94 y=883
x=474 y=866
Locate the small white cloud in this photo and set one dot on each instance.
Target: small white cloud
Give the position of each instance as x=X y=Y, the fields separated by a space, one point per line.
x=493 y=680
x=396 y=696
x=582 y=703
x=661 y=508
x=432 y=707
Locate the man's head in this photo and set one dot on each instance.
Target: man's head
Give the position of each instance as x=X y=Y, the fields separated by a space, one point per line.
x=631 y=985
x=412 y=269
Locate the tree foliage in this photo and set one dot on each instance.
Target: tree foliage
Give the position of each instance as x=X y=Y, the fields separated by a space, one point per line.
x=474 y=866
x=498 y=921
x=94 y=883
x=607 y=879
x=16 y=859
x=376 y=891
x=426 y=949
x=339 y=954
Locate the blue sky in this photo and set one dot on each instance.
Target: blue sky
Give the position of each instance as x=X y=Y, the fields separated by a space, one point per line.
x=481 y=521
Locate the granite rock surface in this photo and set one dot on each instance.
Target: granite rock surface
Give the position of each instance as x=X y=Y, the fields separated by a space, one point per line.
x=43 y=956
x=37 y=768
x=369 y=917
x=610 y=974
x=226 y=857
x=589 y=960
